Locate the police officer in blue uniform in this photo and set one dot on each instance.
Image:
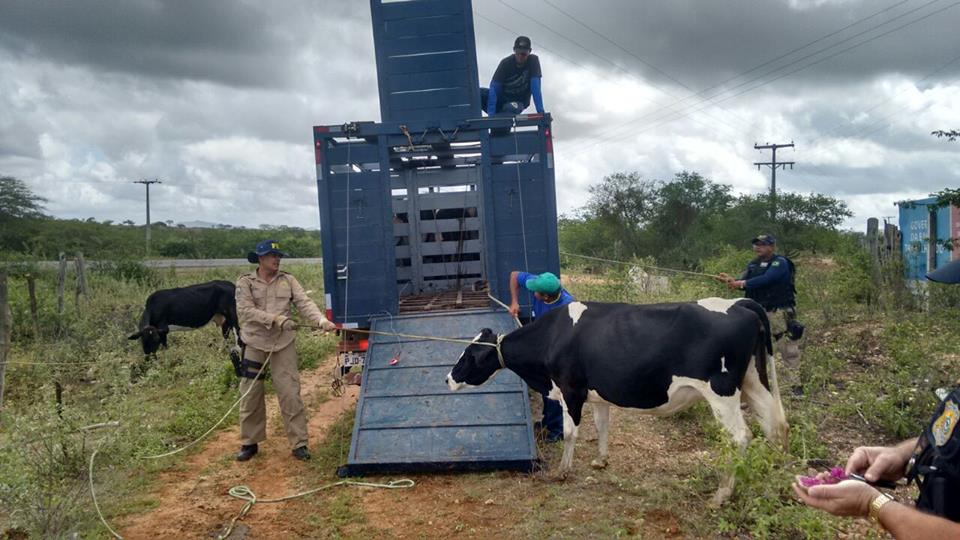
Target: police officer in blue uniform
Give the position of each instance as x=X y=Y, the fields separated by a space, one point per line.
x=932 y=460
x=769 y=279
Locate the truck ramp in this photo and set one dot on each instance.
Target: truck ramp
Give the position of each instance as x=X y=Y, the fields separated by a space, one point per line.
x=408 y=420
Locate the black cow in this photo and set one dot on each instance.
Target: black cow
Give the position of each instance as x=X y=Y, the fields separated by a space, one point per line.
x=189 y=308
x=660 y=358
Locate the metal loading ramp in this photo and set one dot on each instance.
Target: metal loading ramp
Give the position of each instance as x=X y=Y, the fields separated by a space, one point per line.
x=408 y=420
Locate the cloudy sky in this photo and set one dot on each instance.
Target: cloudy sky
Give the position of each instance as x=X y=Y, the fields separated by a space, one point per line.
x=217 y=99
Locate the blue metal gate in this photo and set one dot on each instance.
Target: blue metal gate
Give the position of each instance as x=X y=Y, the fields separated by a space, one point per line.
x=408 y=420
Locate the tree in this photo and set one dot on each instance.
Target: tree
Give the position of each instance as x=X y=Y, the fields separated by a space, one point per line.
x=803 y=221
x=682 y=222
x=17 y=201
x=947 y=197
x=951 y=135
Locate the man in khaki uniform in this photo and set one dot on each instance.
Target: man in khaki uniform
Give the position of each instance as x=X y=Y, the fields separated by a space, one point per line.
x=264 y=297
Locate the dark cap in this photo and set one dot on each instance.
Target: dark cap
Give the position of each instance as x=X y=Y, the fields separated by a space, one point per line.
x=263 y=248
x=764 y=240
x=948 y=273
x=522 y=43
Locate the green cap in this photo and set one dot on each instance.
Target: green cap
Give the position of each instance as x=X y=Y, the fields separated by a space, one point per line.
x=545 y=283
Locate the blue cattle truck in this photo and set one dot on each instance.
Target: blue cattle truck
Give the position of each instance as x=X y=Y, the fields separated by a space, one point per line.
x=422 y=216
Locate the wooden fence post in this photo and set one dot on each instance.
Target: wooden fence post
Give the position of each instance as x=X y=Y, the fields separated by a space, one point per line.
x=6 y=328
x=873 y=229
x=81 y=279
x=61 y=282
x=81 y=273
x=34 y=312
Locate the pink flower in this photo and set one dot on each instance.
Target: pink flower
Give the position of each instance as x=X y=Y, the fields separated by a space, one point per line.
x=837 y=474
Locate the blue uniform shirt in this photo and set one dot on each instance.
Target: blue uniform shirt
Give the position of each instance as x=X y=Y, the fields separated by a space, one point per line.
x=539 y=306
x=777 y=271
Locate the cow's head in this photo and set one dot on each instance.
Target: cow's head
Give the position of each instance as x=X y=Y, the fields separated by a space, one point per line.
x=151 y=338
x=477 y=363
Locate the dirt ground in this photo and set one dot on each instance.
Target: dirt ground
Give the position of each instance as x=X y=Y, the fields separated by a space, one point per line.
x=648 y=490
x=192 y=498
x=192 y=501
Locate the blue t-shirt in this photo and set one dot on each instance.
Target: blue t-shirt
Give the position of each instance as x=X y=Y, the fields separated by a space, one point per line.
x=539 y=306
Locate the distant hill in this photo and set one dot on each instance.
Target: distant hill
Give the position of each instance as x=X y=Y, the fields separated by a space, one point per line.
x=199 y=225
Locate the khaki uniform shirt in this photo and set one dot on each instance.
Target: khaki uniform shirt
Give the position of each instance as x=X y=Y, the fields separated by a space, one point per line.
x=259 y=303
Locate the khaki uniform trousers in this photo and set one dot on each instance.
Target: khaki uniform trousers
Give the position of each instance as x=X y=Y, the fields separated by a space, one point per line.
x=789 y=349
x=286 y=382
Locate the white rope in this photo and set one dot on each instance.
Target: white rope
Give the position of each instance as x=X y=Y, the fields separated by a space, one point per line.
x=523 y=226
x=226 y=414
x=93 y=494
x=639 y=265
x=506 y=307
x=246 y=494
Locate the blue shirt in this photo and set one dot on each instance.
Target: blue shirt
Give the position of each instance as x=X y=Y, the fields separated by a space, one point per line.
x=539 y=306
x=777 y=270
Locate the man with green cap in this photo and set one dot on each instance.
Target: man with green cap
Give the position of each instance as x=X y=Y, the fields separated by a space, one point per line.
x=264 y=300
x=547 y=295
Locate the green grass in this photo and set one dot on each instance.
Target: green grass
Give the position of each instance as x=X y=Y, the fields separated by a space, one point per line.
x=867 y=374
x=172 y=401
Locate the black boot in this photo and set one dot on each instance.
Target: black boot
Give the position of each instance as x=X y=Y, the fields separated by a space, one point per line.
x=301 y=453
x=246 y=452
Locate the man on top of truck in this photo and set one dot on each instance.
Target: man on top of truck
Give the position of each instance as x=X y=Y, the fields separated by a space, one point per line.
x=516 y=79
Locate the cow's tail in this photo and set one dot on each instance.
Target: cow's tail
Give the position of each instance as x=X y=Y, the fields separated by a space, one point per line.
x=763 y=350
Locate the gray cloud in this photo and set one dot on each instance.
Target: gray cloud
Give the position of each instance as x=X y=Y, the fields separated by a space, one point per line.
x=218 y=99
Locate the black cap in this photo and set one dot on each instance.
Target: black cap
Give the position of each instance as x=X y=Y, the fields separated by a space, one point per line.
x=948 y=273
x=523 y=43
x=764 y=239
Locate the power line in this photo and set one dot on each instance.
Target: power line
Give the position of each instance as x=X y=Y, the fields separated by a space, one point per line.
x=797 y=49
x=640 y=59
x=558 y=55
x=880 y=104
x=619 y=128
x=709 y=99
x=614 y=64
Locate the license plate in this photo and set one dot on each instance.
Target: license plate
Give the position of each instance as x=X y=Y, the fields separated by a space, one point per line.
x=352 y=358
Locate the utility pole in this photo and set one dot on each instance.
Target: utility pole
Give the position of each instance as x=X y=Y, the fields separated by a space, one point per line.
x=147 y=184
x=773 y=164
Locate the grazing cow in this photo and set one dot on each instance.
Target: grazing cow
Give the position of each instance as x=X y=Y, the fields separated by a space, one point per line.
x=188 y=308
x=660 y=358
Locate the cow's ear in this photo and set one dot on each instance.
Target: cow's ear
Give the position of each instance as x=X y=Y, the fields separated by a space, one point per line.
x=163 y=330
x=135 y=335
x=486 y=334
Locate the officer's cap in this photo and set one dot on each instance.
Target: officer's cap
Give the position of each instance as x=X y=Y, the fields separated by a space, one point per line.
x=263 y=248
x=764 y=240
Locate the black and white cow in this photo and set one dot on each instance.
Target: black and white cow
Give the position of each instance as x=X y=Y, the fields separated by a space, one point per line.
x=660 y=358
x=189 y=308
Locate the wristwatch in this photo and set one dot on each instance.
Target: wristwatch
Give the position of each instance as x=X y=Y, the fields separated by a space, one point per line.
x=876 y=504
